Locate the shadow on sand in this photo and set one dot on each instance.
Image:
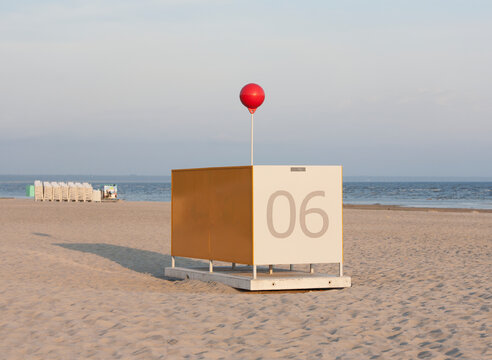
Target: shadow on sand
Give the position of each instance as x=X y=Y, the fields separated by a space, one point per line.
x=142 y=261
x=41 y=234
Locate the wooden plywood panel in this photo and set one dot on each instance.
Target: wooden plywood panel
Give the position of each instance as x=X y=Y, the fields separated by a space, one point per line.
x=297 y=214
x=212 y=214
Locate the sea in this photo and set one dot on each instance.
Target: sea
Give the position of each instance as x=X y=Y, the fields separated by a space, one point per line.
x=474 y=193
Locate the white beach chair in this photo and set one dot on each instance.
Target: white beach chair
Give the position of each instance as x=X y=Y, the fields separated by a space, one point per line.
x=73 y=194
x=88 y=191
x=96 y=195
x=57 y=193
x=47 y=191
x=38 y=190
x=80 y=192
x=64 y=191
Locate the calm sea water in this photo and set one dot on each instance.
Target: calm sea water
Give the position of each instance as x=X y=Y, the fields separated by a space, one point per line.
x=445 y=194
x=476 y=195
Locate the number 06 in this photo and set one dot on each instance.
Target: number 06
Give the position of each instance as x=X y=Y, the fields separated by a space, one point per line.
x=302 y=216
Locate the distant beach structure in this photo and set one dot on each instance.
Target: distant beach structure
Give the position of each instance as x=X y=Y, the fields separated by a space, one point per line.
x=110 y=192
x=61 y=191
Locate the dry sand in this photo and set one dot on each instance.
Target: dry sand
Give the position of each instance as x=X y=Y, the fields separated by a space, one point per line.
x=86 y=281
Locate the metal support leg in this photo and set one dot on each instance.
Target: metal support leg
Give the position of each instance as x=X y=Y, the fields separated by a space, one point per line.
x=340 y=269
x=291 y=267
x=211 y=266
x=233 y=266
x=254 y=271
x=270 y=269
x=173 y=261
x=311 y=269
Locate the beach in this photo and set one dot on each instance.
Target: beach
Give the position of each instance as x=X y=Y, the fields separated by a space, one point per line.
x=86 y=280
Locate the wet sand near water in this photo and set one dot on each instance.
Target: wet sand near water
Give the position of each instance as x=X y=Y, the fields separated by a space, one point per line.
x=83 y=280
x=406 y=208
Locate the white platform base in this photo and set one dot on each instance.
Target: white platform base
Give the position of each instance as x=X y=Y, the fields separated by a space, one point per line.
x=241 y=278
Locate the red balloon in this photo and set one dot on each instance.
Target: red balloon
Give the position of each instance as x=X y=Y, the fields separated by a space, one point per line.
x=252 y=96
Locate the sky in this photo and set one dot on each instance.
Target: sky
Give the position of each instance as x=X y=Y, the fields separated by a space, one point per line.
x=384 y=88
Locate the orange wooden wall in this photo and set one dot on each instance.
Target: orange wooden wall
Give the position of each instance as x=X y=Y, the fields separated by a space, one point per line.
x=212 y=214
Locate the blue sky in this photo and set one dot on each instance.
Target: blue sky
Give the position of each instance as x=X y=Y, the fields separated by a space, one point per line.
x=389 y=88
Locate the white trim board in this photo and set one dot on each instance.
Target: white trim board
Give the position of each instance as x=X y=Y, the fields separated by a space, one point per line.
x=284 y=280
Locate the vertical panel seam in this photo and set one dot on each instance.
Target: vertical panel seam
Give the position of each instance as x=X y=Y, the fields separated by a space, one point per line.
x=341 y=186
x=252 y=217
x=172 y=211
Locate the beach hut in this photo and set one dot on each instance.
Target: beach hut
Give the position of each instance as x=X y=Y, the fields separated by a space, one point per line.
x=260 y=216
x=110 y=192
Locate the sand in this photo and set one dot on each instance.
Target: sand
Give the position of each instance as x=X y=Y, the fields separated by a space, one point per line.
x=84 y=280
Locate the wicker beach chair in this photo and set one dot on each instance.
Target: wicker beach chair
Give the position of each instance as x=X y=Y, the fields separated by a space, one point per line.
x=88 y=191
x=64 y=191
x=96 y=195
x=57 y=192
x=38 y=190
x=73 y=194
x=47 y=191
x=80 y=192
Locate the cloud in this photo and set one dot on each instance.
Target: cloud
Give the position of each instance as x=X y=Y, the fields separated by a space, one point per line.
x=164 y=71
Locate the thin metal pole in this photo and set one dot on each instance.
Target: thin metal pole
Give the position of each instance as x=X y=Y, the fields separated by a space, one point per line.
x=173 y=261
x=340 y=269
x=311 y=269
x=254 y=271
x=211 y=266
x=291 y=267
x=270 y=269
x=252 y=118
x=233 y=266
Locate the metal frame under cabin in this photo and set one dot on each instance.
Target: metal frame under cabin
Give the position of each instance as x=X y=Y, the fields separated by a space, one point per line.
x=249 y=278
x=221 y=203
